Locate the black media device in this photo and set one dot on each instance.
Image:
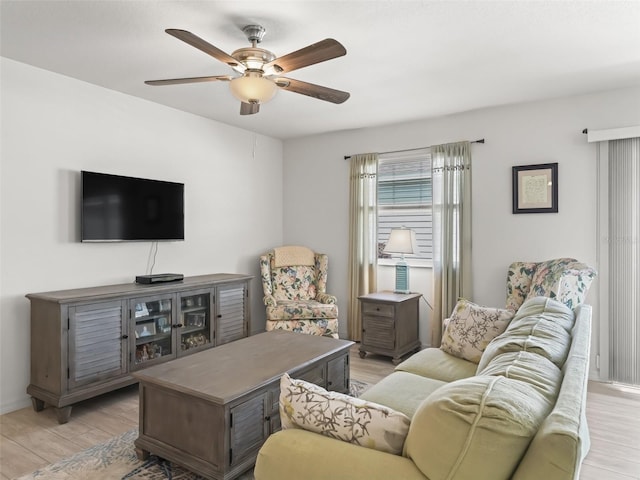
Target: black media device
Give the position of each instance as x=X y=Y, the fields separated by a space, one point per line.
x=159 y=278
x=118 y=209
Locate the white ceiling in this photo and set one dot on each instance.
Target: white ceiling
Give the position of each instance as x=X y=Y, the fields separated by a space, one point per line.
x=406 y=60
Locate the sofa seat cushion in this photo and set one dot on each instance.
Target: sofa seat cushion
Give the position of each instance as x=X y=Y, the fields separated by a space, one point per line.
x=301 y=310
x=402 y=391
x=309 y=407
x=541 y=333
x=478 y=427
x=327 y=327
x=471 y=327
x=439 y=365
x=299 y=454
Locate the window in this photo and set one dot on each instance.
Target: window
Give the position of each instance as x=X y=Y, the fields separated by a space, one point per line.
x=405 y=199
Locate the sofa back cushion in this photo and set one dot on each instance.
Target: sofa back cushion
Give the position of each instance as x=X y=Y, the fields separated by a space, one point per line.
x=528 y=367
x=543 y=332
x=478 y=427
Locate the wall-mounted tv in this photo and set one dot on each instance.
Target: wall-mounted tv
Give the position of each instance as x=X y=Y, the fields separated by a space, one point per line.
x=116 y=208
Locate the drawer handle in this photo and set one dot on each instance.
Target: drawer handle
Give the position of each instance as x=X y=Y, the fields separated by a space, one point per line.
x=377 y=309
x=125 y=336
x=267 y=418
x=178 y=325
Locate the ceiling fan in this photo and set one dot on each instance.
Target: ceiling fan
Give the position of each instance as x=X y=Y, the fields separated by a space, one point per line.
x=259 y=70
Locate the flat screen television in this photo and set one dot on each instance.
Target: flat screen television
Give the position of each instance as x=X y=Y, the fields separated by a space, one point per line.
x=117 y=209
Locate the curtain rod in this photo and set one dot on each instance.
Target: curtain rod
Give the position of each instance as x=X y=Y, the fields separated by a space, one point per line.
x=347 y=157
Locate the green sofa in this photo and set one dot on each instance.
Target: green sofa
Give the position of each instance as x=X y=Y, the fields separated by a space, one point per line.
x=519 y=413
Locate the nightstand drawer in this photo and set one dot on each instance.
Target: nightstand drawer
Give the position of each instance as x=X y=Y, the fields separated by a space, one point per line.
x=381 y=309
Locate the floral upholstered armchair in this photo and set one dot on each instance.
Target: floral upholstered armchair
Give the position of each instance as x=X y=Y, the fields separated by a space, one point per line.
x=294 y=280
x=564 y=279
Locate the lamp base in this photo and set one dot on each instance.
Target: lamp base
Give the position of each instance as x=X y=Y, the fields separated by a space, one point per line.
x=402 y=278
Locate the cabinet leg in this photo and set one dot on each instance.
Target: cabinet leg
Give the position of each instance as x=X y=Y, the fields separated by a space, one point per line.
x=63 y=414
x=38 y=405
x=362 y=354
x=396 y=360
x=142 y=454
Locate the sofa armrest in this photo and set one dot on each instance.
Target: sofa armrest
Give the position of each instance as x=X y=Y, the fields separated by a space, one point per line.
x=295 y=453
x=326 y=298
x=269 y=301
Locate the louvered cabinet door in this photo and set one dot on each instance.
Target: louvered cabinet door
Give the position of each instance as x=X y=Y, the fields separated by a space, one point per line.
x=97 y=348
x=249 y=428
x=231 y=308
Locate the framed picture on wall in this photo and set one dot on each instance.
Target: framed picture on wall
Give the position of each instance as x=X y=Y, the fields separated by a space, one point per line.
x=535 y=188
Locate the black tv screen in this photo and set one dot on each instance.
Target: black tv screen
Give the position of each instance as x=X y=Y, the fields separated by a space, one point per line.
x=117 y=208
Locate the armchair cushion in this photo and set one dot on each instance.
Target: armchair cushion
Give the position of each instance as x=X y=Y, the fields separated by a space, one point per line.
x=300 y=310
x=327 y=327
x=310 y=407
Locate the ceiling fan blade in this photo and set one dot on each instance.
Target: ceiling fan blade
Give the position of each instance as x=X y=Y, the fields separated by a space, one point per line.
x=203 y=45
x=249 y=108
x=316 y=91
x=315 y=53
x=176 y=81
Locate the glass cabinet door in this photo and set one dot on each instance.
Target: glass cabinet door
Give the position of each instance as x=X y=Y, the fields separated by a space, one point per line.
x=195 y=320
x=152 y=320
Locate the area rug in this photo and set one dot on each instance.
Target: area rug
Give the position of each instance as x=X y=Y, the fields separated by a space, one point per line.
x=116 y=459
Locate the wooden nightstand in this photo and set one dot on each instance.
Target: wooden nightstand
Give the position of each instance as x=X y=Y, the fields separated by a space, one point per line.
x=389 y=324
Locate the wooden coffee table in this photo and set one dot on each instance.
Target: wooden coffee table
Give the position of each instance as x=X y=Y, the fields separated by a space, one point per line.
x=211 y=412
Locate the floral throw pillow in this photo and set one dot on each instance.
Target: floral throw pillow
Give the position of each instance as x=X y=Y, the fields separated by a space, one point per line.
x=471 y=327
x=307 y=406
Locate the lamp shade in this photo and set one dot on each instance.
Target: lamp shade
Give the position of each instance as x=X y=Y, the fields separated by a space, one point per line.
x=401 y=240
x=252 y=87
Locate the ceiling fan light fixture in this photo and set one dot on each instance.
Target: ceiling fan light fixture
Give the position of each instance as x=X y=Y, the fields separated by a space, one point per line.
x=252 y=87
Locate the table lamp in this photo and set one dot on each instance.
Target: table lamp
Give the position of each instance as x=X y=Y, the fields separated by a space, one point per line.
x=402 y=241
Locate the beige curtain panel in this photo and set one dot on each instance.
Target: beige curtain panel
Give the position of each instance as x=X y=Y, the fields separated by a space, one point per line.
x=451 y=164
x=363 y=248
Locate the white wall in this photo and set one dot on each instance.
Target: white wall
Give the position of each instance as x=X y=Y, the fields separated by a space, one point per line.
x=53 y=127
x=316 y=196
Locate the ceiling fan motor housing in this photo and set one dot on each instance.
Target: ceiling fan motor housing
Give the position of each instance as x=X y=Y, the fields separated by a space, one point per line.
x=252 y=57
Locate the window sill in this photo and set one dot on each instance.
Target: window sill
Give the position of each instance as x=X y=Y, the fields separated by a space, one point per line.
x=412 y=262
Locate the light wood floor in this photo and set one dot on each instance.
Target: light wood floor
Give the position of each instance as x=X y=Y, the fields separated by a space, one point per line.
x=30 y=440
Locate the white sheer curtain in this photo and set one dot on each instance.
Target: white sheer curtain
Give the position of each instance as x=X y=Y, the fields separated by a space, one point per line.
x=363 y=248
x=451 y=230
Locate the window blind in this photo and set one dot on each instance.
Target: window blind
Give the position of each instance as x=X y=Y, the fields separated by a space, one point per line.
x=624 y=261
x=405 y=199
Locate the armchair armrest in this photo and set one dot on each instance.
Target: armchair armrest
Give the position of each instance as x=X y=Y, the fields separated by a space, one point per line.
x=326 y=298
x=269 y=301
